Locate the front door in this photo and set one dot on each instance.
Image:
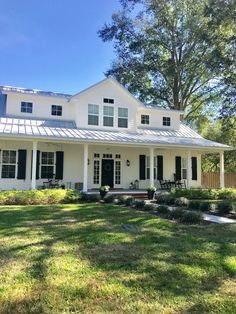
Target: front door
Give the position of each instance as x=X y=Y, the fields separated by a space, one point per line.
x=108 y=172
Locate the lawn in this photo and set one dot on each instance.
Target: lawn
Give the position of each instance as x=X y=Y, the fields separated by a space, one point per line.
x=92 y=258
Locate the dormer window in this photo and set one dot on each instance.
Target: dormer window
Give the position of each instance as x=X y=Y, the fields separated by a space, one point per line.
x=108 y=116
x=93 y=112
x=26 y=107
x=122 y=117
x=144 y=119
x=166 y=121
x=108 y=100
x=56 y=110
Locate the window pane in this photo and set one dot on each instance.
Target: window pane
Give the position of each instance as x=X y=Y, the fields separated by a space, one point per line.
x=144 y=119
x=96 y=171
x=8 y=171
x=122 y=122
x=47 y=172
x=26 y=107
x=56 y=110
x=122 y=112
x=108 y=111
x=184 y=173
x=92 y=120
x=107 y=121
x=93 y=109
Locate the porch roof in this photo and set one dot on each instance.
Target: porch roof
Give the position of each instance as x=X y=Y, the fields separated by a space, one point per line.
x=67 y=131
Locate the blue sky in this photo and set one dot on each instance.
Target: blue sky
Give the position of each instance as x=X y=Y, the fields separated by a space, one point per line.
x=53 y=44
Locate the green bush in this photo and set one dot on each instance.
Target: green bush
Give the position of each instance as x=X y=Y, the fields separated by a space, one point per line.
x=165 y=198
x=194 y=205
x=206 y=206
x=207 y=194
x=38 y=197
x=176 y=213
x=129 y=201
x=139 y=204
x=90 y=198
x=109 y=198
x=224 y=207
x=149 y=207
x=182 y=201
x=163 y=210
x=227 y=194
x=189 y=217
x=121 y=199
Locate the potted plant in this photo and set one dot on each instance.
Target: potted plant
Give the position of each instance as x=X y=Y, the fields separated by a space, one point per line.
x=151 y=190
x=104 y=190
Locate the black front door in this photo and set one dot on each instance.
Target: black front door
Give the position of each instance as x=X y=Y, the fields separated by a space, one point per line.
x=108 y=172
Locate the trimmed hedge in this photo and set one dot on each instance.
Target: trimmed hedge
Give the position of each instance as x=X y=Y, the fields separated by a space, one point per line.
x=198 y=193
x=39 y=197
x=225 y=207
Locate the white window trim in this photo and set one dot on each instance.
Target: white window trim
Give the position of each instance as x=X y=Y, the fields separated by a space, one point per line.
x=108 y=116
x=93 y=114
x=41 y=164
x=146 y=115
x=123 y=117
x=184 y=161
x=1 y=163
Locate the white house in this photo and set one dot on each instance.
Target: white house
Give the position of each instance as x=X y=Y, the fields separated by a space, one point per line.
x=100 y=136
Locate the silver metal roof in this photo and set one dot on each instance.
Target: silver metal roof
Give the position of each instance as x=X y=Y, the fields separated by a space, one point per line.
x=67 y=131
x=33 y=91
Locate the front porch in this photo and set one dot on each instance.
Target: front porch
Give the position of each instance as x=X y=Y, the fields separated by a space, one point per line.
x=87 y=166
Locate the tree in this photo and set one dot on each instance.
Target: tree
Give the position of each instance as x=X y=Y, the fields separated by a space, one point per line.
x=164 y=50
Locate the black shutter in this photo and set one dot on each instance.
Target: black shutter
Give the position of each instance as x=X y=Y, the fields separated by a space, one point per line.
x=178 y=168
x=194 y=168
x=160 y=167
x=142 y=167
x=21 y=171
x=37 y=164
x=59 y=165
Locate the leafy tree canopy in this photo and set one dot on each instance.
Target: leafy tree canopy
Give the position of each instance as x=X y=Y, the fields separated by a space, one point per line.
x=172 y=52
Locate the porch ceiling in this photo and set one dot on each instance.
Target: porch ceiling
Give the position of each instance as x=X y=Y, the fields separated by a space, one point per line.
x=66 y=131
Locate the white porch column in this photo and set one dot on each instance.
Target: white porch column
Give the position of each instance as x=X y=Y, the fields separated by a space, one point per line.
x=85 y=179
x=222 y=170
x=151 y=166
x=34 y=166
x=189 y=170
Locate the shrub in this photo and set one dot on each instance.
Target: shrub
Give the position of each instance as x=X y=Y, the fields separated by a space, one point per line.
x=198 y=193
x=206 y=206
x=109 y=198
x=189 y=217
x=139 y=204
x=225 y=207
x=149 y=207
x=176 y=213
x=162 y=209
x=90 y=198
x=129 y=201
x=194 y=205
x=182 y=201
x=121 y=199
x=227 y=193
x=165 y=199
x=38 y=197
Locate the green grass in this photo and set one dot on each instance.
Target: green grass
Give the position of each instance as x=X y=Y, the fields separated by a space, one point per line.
x=81 y=259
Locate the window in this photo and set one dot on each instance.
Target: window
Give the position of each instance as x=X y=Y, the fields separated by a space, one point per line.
x=144 y=119
x=155 y=168
x=56 y=110
x=96 y=155
x=166 y=121
x=8 y=164
x=93 y=112
x=96 y=171
x=47 y=165
x=117 y=156
x=108 y=101
x=108 y=116
x=184 y=168
x=117 y=172
x=122 y=117
x=107 y=155
x=26 y=107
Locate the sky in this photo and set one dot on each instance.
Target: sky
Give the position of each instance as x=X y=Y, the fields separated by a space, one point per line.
x=53 y=45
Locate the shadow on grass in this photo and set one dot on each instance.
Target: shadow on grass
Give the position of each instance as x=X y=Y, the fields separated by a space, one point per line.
x=175 y=260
